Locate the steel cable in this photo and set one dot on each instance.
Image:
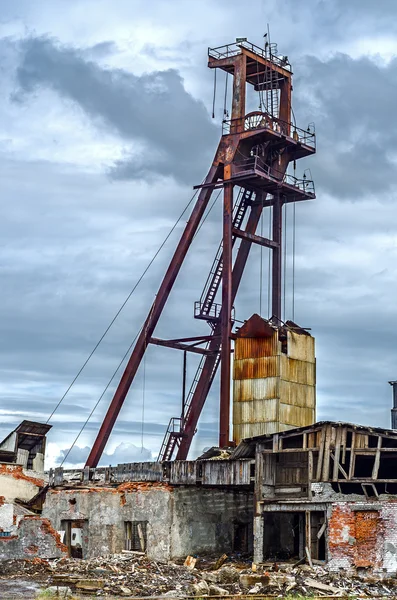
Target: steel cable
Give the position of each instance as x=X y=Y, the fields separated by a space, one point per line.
x=121 y=308
x=101 y=396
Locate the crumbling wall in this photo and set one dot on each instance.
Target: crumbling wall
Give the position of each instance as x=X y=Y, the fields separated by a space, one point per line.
x=207 y=520
x=180 y=520
x=33 y=537
x=105 y=511
x=17 y=482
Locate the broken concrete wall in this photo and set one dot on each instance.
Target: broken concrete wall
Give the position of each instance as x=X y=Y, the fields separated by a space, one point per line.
x=209 y=520
x=179 y=520
x=33 y=537
x=17 y=482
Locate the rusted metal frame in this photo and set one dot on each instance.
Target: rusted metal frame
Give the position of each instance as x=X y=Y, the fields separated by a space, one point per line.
x=277 y=226
x=223 y=63
x=270 y=65
x=196 y=338
x=208 y=373
x=226 y=323
x=238 y=115
x=184 y=372
x=239 y=92
x=255 y=239
x=151 y=321
x=178 y=346
x=285 y=103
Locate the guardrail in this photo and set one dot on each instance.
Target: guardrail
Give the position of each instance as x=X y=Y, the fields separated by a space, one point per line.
x=263 y=120
x=268 y=53
x=256 y=163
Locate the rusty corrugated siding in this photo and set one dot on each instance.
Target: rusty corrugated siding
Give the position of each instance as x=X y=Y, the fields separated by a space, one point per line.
x=247 y=430
x=298 y=394
x=255 y=411
x=273 y=391
x=256 y=389
x=256 y=368
x=297 y=371
x=256 y=347
x=295 y=416
x=301 y=347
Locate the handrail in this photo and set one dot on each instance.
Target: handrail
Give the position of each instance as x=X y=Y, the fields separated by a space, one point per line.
x=263 y=120
x=268 y=53
x=257 y=163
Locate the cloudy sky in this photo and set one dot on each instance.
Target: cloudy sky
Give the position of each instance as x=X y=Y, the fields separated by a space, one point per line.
x=106 y=125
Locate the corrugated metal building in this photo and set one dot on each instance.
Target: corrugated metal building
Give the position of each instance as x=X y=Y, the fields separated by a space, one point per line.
x=274 y=378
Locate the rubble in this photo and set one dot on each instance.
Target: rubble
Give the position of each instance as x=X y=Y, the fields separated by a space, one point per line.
x=129 y=574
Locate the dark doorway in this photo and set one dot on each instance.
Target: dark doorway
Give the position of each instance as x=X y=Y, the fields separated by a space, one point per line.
x=75 y=537
x=318 y=534
x=135 y=535
x=283 y=535
x=240 y=539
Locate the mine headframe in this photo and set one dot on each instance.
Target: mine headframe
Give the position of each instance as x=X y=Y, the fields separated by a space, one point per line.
x=253 y=154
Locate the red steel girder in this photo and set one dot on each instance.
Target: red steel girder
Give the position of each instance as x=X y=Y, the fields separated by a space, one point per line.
x=151 y=320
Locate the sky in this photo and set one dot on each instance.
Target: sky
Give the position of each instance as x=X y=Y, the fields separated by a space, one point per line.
x=105 y=126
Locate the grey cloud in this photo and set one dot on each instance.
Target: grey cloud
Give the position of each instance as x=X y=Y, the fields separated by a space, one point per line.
x=153 y=108
x=352 y=103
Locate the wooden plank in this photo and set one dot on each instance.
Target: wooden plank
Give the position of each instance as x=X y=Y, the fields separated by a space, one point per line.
x=375 y=470
x=308 y=548
x=310 y=474
x=340 y=468
x=343 y=443
x=304 y=441
x=327 y=453
x=336 y=456
x=352 y=459
x=141 y=538
x=275 y=442
x=286 y=450
x=320 y=455
x=321 y=530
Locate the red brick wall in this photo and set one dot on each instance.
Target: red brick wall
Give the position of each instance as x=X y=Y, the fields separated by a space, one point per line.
x=359 y=538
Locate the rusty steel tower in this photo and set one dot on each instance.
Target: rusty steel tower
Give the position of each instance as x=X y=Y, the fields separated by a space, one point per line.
x=250 y=164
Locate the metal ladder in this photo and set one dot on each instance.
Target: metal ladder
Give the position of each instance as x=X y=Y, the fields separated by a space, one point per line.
x=214 y=278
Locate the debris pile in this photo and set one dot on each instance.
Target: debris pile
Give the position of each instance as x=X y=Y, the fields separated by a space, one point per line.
x=133 y=574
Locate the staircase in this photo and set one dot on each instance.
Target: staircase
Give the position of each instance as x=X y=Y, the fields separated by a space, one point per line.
x=205 y=307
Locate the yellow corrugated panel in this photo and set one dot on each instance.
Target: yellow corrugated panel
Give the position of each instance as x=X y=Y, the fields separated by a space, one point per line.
x=255 y=411
x=241 y=432
x=301 y=347
x=256 y=389
x=256 y=368
x=256 y=347
x=297 y=371
x=298 y=394
x=296 y=416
